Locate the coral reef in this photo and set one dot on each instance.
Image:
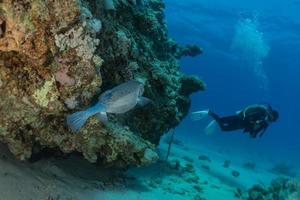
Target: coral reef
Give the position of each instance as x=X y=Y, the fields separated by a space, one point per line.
x=280 y=189
x=283 y=169
x=249 y=165
x=235 y=173
x=180 y=174
x=204 y=158
x=188 y=159
x=56 y=57
x=205 y=167
x=226 y=163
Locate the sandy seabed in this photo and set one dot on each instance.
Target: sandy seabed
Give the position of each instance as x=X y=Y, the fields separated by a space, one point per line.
x=183 y=177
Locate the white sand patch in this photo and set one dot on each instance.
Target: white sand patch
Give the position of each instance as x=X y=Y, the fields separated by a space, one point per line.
x=183 y=177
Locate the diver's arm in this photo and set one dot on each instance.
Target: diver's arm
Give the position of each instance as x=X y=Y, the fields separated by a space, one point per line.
x=259 y=131
x=253 y=134
x=263 y=131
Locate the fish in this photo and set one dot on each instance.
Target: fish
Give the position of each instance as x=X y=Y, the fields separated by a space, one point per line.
x=118 y=100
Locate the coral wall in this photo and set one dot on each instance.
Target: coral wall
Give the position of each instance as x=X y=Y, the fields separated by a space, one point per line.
x=56 y=57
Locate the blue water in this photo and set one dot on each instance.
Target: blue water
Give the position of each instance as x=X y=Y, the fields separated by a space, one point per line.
x=231 y=75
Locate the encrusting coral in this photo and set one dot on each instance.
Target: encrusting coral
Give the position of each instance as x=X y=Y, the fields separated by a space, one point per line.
x=279 y=189
x=56 y=57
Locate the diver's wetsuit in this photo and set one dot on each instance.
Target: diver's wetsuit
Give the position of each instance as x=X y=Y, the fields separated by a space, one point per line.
x=254 y=121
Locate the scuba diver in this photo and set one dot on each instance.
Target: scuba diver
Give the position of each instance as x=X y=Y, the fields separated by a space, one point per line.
x=254 y=120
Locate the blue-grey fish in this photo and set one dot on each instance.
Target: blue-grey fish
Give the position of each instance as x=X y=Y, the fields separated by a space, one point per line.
x=119 y=99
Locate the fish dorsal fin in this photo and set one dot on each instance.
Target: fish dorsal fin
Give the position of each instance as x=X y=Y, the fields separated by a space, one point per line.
x=129 y=87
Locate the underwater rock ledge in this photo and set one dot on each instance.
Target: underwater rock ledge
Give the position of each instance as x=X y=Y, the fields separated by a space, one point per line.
x=56 y=57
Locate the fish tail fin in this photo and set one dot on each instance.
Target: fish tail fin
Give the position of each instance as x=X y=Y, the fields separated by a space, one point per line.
x=76 y=120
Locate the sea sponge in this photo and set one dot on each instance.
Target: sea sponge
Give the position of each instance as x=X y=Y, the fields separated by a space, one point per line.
x=63 y=78
x=46 y=94
x=75 y=38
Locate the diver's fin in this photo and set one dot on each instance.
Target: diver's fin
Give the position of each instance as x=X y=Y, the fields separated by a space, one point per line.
x=211 y=128
x=238 y=112
x=102 y=116
x=199 y=115
x=143 y=101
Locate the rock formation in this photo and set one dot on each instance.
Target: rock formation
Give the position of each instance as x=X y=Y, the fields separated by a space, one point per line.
x=279 y=189
x=56 y=57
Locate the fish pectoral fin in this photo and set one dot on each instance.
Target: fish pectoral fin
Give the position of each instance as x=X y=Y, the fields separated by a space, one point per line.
x=143 y=101
x=102 y=116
